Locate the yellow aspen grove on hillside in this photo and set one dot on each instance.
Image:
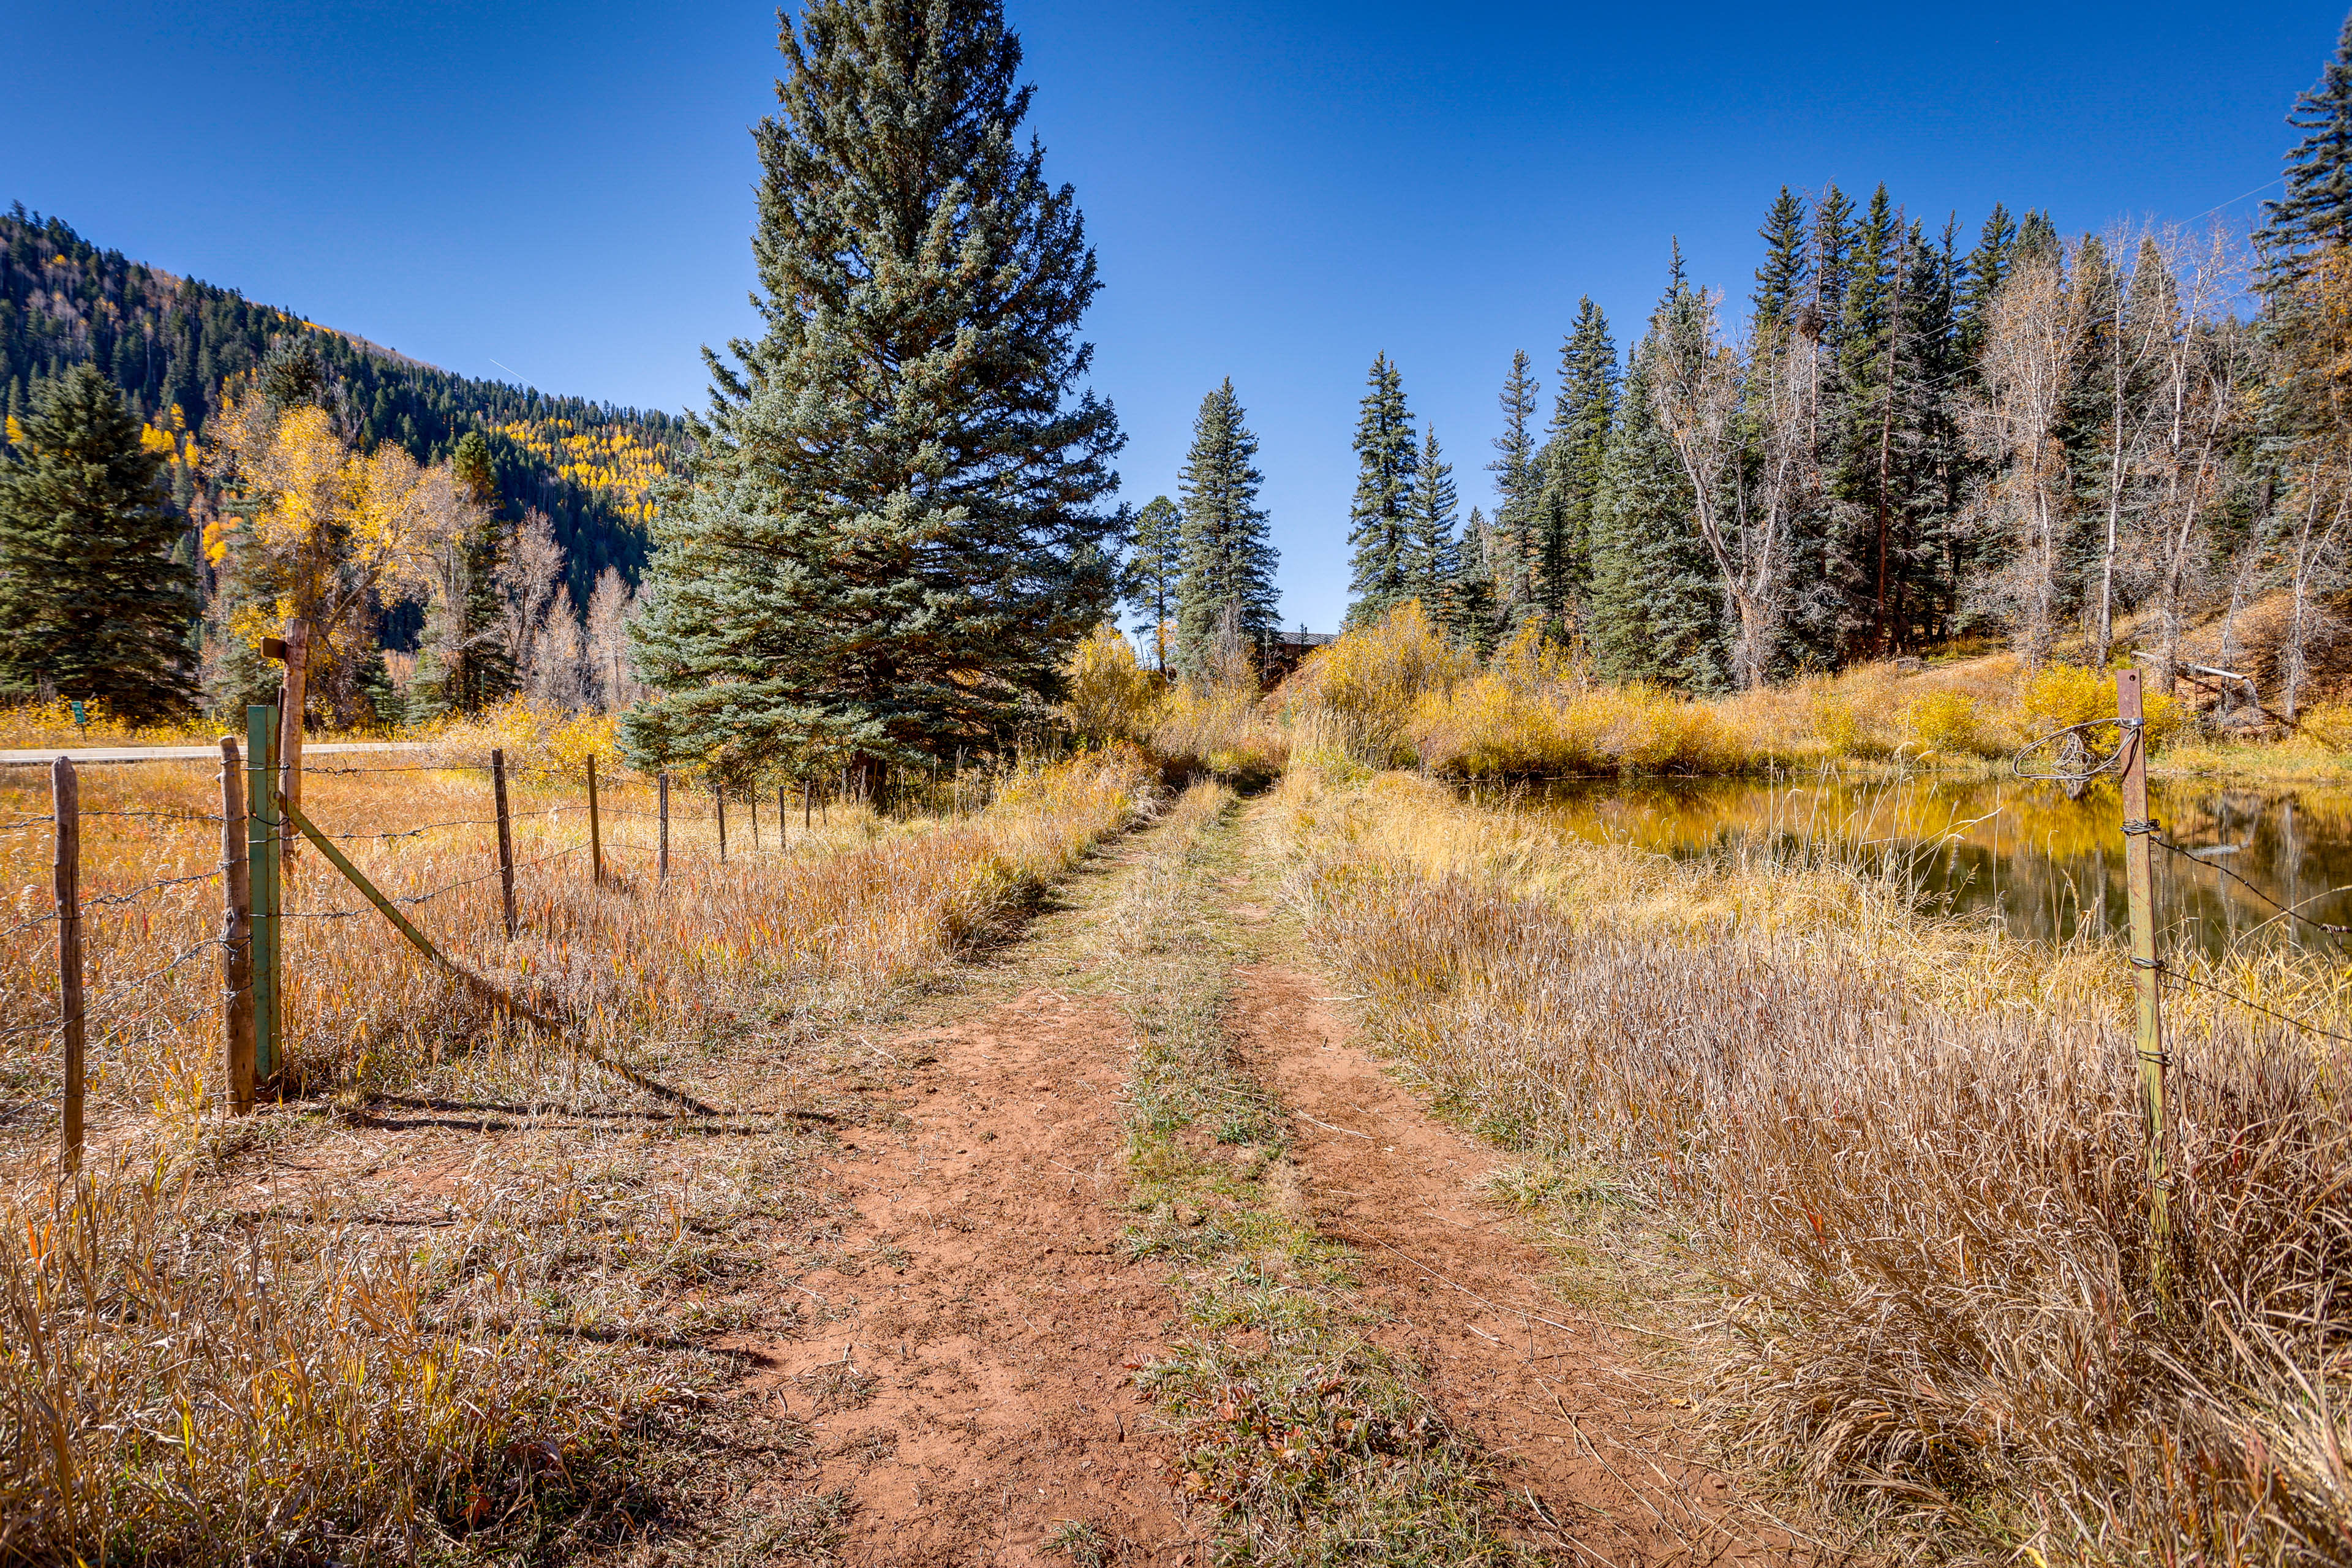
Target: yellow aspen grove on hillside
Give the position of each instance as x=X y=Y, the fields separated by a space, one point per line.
x=607 y=460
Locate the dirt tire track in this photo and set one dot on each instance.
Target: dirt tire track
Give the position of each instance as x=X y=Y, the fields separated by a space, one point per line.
x=1382 y=1176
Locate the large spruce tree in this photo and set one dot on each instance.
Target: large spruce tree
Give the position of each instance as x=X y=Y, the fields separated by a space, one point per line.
x=1379 y=525
x=1658 y=610
x=2315 y=213
x=895 y=526
x=1433 y=561
x=1227 y=591
x=1583 y=414
x=92 y=604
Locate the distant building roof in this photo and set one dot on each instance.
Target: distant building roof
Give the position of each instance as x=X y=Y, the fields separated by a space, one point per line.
x=1307 y=639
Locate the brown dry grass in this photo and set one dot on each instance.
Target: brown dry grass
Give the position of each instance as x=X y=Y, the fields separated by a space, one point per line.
x=188 y=1378
x=1910 y=1154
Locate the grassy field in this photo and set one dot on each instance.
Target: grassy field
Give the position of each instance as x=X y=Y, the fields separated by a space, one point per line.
x=313 y=1335
x=1903 y=1157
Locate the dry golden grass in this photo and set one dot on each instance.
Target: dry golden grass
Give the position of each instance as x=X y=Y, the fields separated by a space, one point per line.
x=315 y=1381
x=1910 y=1151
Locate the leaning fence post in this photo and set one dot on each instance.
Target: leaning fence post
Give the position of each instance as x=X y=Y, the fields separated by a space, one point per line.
x=262 y=842
x=236 y=938
x=661 y=783
x=595 y=829
x=64 y=799
x=2139 y=890
x=506 y=837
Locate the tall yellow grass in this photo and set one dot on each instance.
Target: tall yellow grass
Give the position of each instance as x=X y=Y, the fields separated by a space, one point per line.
x=1397 y=694
x=1911 y=1152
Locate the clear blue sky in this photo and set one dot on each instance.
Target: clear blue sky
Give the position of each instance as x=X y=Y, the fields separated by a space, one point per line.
x=1276 y=191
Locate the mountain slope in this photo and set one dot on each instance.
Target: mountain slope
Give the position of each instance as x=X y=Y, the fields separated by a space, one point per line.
x=172 y=342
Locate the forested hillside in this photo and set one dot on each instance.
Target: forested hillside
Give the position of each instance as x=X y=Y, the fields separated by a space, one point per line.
x=175 y=344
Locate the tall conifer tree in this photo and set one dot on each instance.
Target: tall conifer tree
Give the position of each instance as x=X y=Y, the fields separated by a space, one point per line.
x=1786 y=271
x=1518 y=490
x=91 y=602
x=2315 y=213
x=1379 y=525
x=1658 y=604
x=1583 y=414
x=1229 y=561
x=1433 y=561
x=895 y=523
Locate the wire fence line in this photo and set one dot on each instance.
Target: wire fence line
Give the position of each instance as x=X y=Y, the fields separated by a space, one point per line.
x=142 y=953
x=2075 y=763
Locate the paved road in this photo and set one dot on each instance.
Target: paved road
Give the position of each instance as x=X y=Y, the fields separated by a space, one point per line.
x=189 y=753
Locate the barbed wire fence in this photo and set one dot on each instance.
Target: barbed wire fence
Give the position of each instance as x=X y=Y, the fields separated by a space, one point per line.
x=263 y=832
x=2077 y=758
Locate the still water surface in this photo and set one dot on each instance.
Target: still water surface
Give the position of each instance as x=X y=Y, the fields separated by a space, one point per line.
x=2047 y=866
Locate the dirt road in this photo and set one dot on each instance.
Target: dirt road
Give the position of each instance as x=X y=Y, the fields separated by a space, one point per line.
x=967 y=1361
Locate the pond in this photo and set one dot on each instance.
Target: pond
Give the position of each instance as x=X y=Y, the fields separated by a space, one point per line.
x=2047 y=866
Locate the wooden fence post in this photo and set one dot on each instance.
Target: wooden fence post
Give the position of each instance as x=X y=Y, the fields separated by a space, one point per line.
x=65 y=804
x=506 y=837
x=262 y=841
x=236 y=937
x=290 y=726
x=753 y=795
x=661 y=782
x=595 y=830
x=718 y=795
x=2139 y=890
x=784 y=821
x=806 y=817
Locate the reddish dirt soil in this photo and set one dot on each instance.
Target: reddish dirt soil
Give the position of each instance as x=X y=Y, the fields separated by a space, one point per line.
x=1002 y=1400
x=1533 y=1378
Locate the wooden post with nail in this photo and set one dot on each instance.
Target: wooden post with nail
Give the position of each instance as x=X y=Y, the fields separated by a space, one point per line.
x=65 y=804
x=236 y=937
x=2139 y=890
x=661 y=784
x=506 y=837
x=596 y=828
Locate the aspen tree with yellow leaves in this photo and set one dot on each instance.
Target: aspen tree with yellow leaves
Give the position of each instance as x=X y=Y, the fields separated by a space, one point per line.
x=321 y=531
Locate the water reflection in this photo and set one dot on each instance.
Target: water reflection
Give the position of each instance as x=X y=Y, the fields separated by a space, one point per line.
x=2048 y=866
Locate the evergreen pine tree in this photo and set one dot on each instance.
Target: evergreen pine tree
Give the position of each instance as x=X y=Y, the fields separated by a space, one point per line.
x=1656 y=606
x=91 y=602
x=1155 y=569
x=1786 y=271
x=1517 y=545
x=1583 y=414
x=1868 y=355
x=1832 y=245
x=1380 y=526
x=894 y=528
x=1229 y=561
x=2315 y=213
x=1986 y=268
x=1432 y=559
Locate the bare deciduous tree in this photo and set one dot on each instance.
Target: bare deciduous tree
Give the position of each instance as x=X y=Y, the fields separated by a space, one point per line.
x=1700 y=390
x=2034 y=336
